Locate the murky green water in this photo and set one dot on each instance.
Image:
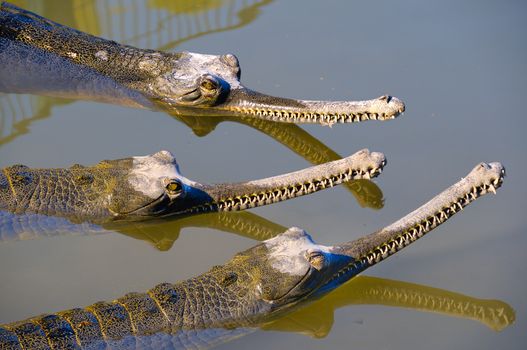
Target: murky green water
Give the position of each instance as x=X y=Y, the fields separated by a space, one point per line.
x=460 y=68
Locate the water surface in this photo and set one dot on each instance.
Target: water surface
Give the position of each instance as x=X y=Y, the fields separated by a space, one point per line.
x=460 y=68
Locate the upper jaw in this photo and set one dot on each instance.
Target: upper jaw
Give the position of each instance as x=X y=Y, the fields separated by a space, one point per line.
x=243 y=101
x=244 y=195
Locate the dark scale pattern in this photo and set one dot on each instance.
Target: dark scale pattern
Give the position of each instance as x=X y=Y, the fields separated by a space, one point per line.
x=171 y=300
x=49 y=191
x=21 y=184
x=145 y=314
x=30 y=335
x=113 y=319
x=209 y=303
x=58 y=331
x=120 y=62
x=86 y=327
x=77 y=193
x=9 y=340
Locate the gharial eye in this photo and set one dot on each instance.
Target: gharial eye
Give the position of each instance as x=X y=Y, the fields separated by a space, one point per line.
x=317 y=260
x=208 y=85
x=174 y=187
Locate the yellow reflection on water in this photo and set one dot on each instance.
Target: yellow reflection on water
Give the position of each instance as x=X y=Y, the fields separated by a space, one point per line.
x=160 y=25
x=317 y=318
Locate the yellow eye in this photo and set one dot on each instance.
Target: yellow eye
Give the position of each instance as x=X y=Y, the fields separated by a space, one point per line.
x=317 y=260
x=208 y=85
x=174 y=187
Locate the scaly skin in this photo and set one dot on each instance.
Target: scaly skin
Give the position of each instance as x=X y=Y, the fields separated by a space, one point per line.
x=138 y=188
x=44 y=57
x=260 y=283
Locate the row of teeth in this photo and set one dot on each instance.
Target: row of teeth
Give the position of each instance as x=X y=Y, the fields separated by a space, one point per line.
x=440 y=303
x=277 y=195
x=413 y=234
x=307 y=117
x=253 y=200
x=246 y=228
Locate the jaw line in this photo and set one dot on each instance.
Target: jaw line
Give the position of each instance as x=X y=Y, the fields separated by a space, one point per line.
x=286 y=294
x=134 y=211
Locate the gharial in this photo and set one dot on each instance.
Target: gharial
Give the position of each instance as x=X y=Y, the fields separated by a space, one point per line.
x=266 y=280
x=42 y=57
x=143 y=187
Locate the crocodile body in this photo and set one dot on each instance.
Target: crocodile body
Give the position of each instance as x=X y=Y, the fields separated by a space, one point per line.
x=149 y=186
x=256 y=285
x=44 y=57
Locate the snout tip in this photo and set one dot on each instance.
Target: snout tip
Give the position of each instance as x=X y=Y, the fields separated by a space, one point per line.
x=396 y=104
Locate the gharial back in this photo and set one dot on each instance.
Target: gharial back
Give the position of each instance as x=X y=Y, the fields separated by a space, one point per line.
x=169 y=316
x=56 y=60
x=77 y=192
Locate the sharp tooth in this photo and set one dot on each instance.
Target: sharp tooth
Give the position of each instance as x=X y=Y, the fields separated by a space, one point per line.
x=367 y=175
x=492 y=189
x=460 y=206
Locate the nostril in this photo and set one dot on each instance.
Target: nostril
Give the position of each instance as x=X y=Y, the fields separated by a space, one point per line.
x=230 y=60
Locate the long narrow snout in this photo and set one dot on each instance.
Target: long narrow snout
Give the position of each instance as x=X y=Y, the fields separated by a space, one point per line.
x=247 y=102
x=244 y=195
x=375 y=247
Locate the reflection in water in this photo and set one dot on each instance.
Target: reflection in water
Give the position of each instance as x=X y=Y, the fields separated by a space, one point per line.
x=367 y=193
x=316 y=319
x=160 y=25
x=162 y=235
x=152 y=24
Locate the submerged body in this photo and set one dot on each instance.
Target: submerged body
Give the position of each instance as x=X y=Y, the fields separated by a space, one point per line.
x=149 y=186
x=44 y=57
x=256 y=285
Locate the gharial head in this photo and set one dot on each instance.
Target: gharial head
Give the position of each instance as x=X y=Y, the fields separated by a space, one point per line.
x=202 y=84
x=285 y=270
x=152 y=186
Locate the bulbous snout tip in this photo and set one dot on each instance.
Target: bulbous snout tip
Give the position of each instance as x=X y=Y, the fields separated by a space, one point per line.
x=393 y=104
